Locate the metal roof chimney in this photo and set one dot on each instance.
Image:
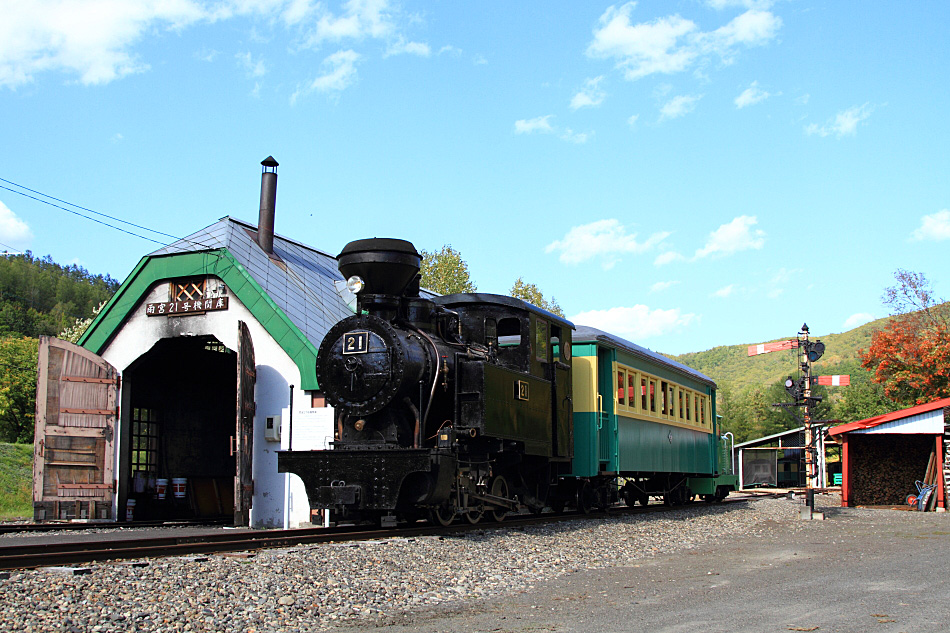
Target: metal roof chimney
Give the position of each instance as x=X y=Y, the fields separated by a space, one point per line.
x=265 y=221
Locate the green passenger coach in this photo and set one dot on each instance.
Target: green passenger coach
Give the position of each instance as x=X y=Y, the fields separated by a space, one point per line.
x=644 y=421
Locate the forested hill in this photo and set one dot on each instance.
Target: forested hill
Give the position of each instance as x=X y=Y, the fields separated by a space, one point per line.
x=731 y=365
x=39 y=296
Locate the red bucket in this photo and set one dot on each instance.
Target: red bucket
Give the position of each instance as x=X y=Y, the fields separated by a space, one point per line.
x=161 y=488
x=179 y=486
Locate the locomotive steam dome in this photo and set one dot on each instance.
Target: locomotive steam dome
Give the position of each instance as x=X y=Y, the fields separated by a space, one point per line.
x=386 y=265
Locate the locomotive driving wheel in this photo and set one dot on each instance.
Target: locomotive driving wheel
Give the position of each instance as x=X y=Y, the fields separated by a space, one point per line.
x=474 y=515
x=499 y=488
x=443 y=514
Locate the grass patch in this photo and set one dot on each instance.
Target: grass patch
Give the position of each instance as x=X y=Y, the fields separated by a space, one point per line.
x=16 y=481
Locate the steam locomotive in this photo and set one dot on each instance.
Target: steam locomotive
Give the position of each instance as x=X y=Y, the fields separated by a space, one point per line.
x=468 y=406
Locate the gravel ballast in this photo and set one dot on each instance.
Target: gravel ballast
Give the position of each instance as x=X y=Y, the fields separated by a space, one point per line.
x=321 y=586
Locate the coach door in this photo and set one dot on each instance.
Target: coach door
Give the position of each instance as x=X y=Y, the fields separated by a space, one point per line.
x=242 y=444
x=74 y=446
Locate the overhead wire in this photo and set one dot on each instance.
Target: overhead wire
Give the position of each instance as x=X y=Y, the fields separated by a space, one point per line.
x=104 y=215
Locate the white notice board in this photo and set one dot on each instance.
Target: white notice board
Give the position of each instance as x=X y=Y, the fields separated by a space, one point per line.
x=311 y=430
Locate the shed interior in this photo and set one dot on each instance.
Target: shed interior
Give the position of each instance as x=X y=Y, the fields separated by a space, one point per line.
x=179 y=426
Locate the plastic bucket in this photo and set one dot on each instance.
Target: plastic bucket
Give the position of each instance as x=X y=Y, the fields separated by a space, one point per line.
x=129 y=509
x=179 y=486
x=161 y=488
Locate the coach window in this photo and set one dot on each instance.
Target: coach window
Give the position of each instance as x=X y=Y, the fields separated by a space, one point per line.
x=541 y=340
x=672 y=401
x=689 y=405
x=631 y=391
x=702 y=411
x=621 y=394
x=652 y=397
x=679 y=403
x=664 y=403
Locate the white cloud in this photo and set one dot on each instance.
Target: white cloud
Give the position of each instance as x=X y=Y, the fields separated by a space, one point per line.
x=660 y=286
x=679 y=106
x=803 y=100
x=402 y=47
x=253 y=69
x=845 y=122
x=934 y=227
x=752 y=95
x=339 y=72
x=358 y=20
x=632 y=121
x=667 y=257
x=13 y=231
x=635 y=323
x=479 y=60
x=95 y=40
x=450 y=50
x=606 y=239
x=575 y=137
x=672 y=44
x=537 y=124
x=89 y=38
x=591 y=95
x=733 y=237
x=860 y=318
x=725 y=291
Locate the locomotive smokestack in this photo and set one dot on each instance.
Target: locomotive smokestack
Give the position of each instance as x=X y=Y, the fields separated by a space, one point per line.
x=265 y=221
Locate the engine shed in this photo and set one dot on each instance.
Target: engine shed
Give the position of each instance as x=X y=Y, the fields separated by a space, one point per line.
x=172 y=404
x=883 y=457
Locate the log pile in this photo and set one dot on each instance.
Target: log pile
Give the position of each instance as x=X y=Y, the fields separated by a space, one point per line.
x=883 y=468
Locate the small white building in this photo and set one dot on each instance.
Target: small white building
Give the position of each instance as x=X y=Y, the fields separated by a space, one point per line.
x=187 y=382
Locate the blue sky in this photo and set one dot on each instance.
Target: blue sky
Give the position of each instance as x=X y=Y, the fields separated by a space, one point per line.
x=684 y=174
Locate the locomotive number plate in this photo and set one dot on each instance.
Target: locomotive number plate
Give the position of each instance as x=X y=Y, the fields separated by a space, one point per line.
x=355 y=342
x=521 y=390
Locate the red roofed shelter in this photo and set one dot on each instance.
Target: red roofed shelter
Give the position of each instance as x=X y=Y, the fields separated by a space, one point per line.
x=883 y=456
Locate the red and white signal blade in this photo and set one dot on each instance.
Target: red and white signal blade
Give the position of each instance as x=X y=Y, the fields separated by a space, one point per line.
x=765 y=348
x=832 y=381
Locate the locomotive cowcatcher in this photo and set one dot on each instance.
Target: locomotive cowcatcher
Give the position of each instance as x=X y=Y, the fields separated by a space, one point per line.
x=445 y=407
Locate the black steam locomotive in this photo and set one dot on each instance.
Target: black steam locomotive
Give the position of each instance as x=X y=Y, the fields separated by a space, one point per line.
x=446 y=407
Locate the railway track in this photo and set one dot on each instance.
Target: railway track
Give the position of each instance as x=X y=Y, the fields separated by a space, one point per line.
x=32 y=555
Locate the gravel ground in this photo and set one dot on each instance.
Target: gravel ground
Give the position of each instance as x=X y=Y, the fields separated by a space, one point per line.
x=323 y=586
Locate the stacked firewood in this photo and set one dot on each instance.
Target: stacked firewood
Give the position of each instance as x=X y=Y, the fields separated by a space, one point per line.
x=884 y=468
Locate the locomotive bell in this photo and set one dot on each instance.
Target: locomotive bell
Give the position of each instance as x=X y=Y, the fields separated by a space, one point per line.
x=386 y=266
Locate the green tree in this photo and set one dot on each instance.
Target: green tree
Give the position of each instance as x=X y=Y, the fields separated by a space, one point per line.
x=532 y=294
x=445 y=272
x=18 y=356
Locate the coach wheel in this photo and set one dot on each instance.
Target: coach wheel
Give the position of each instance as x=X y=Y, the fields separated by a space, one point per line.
x=443 y=514
x=710 y=498
x=499 y=488
x=586 y=497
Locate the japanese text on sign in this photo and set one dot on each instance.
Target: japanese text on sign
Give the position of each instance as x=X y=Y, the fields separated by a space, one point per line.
x=186 y=307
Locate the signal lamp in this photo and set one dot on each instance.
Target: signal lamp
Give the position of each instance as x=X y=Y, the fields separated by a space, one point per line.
x=814 y=349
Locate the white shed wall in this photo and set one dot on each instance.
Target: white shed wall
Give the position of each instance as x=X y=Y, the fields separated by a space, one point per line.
x=275 y=373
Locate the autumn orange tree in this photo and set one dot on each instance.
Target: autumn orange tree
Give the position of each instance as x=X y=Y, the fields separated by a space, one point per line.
x=910 y=358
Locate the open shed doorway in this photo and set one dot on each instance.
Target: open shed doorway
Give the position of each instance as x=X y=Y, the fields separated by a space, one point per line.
x=178 y=431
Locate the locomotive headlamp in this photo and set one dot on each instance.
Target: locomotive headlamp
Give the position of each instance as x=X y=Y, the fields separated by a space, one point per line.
x=354 y=284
